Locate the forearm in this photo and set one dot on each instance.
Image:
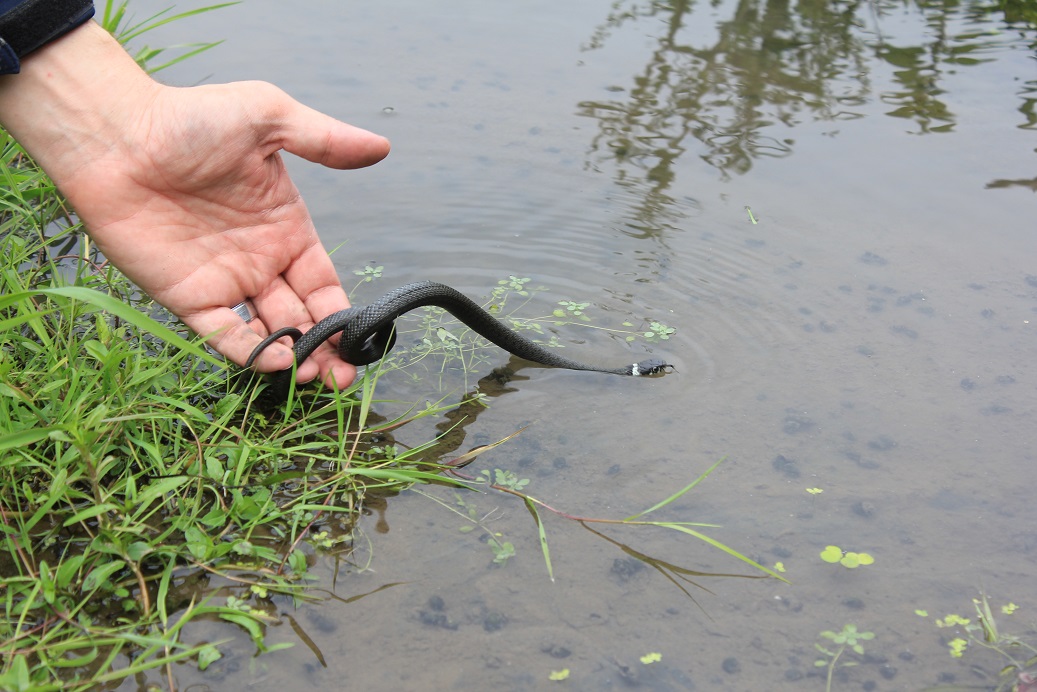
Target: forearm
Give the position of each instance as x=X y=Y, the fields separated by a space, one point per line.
x=75 y=100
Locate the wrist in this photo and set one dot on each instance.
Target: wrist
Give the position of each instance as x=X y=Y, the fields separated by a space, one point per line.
x=74 y=99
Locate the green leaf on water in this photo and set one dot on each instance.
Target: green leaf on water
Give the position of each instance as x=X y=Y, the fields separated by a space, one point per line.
x=832 y=553
x=207 y=655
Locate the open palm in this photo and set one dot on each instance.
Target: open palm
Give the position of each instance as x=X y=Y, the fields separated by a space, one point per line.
x=193 y=203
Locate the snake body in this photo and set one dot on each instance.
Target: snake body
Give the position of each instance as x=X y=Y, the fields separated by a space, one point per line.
x=368 y=334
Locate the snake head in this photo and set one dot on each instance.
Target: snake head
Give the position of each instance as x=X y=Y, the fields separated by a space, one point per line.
x=651 y=366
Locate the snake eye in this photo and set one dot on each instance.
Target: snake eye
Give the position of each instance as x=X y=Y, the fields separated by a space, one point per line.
x=652 y=366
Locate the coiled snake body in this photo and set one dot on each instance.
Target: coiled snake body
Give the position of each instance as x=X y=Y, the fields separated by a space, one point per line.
x=368 y=334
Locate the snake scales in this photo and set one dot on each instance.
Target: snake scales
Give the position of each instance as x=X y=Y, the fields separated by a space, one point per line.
x=368 y=334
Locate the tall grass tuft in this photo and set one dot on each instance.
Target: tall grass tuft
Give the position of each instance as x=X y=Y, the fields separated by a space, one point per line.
x=130 y=460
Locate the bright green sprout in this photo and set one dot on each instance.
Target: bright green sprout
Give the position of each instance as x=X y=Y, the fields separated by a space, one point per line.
x=515 y=284
x=953 y=620
x=505 y=479
x=981 y=633
x=848 y=638
x=660 y=331
x=572 y=309
x=370 y=273
x=850 y=560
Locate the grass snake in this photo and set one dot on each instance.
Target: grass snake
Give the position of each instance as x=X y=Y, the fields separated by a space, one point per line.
x=368 y=334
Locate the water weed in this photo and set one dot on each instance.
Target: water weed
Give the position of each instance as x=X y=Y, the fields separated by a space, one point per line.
x=849 y=638
x=502 y=549
x=850 y=560
x=1016 y=656
x=369 y=273
x=657 y=331
x=558 y=675
x=437 y=337
x=508 y=483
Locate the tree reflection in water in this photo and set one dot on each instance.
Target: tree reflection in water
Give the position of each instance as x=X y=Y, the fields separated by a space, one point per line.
x=733 y=94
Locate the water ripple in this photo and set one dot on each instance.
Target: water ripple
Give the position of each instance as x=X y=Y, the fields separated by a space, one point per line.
x=712 y=278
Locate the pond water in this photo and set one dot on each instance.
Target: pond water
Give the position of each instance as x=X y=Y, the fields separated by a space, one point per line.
x=833 y=205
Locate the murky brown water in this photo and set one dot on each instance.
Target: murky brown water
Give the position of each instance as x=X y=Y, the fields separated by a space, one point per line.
x=873 y=335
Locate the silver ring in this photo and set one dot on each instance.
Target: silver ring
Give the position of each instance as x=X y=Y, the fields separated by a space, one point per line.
x=246 y=310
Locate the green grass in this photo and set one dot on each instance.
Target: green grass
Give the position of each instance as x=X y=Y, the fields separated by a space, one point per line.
x=121 y=23
x=129 y=460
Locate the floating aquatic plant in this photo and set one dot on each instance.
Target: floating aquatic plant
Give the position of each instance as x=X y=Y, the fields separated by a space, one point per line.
x=849 y=560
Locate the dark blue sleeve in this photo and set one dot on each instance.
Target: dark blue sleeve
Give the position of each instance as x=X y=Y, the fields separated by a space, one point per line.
x=26 y=25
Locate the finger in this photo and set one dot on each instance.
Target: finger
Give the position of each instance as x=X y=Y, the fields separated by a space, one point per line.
x=334 y=372
x=316 y=295
x=313 y=278
x=318 y=137
x=324 y=361
x=341 y=146
x=308 y=292
x=231 y=336
x=279 y=305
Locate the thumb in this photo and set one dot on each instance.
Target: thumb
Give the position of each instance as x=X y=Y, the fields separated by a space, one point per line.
x=316 y=137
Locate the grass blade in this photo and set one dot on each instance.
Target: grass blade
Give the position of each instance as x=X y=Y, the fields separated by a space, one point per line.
x=543 y=536
x=677 y=494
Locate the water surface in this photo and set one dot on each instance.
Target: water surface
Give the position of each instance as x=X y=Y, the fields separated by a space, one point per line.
x=871 y=334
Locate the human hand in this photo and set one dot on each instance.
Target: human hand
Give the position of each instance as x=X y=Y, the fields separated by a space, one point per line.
x=185 y=191
x=198 y=210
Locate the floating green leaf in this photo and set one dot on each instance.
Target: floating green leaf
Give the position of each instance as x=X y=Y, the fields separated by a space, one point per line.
x=850 y=560
x=832 y=553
